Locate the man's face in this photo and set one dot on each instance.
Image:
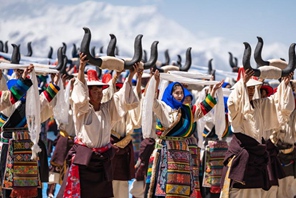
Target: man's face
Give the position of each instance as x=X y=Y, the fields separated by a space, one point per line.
x=95 y=93
x=251 y=92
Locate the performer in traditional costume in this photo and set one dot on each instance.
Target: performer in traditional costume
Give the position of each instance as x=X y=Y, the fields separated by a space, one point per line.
x=284 y=139
x=123 y=162
x=169 y=172
x=212 y=130
x=20 y=173
x=245 y=171
x=63 y=143
x=90 y=172
x=194 y=149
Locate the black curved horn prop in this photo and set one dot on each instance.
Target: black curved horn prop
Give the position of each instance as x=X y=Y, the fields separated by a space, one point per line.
x=93 y=51
x=179 y=60
x=144 y=58
x=74 y=51
x=188 y=61
x=64 y=48
x=235 y=62
x=16 y=55
x=213 y=73
x=64 y=65
x=1 y=46
x=101 y=50
x=116 y=51
x=210 y=67
x=158 y=68
x=6 y=47
x=49 y=55
x=167 y=58
x=60 y=55
x=84 y=48
x=258 y=52
x=111 y=45
x=291 y=65
x=99 y=71
x=153 y=56
x=246 y=60
x=63 y=70
x=138 y=51
x=30 y=51
x=231 y=63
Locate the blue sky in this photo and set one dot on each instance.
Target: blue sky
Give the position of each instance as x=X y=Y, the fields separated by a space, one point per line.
x=237 y=20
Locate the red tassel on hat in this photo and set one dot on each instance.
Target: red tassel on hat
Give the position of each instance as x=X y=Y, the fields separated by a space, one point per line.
x=106 y=78
x=92 y=75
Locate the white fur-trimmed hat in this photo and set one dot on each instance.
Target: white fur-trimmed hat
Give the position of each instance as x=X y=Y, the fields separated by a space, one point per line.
x=253 y=82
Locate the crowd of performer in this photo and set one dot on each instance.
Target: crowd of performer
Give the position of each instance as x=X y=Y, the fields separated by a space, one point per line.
x=167 y=138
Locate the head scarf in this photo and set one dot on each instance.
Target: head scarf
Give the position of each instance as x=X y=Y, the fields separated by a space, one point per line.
x=187 y=93
x=168 y=98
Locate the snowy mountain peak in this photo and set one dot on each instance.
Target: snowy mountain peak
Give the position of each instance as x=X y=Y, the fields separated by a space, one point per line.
x=47 y=24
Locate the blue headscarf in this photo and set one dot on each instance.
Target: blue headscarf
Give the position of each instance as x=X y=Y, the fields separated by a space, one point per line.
x=187 y=93
x=225 y=84
x=168 y=97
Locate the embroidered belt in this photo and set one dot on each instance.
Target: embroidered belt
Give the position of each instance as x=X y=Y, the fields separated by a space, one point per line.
x=97 y=150
x=287 y=151
x=172 y=138
x=124 y=142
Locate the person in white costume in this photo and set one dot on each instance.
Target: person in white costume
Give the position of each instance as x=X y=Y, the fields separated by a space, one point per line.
x=245 y=165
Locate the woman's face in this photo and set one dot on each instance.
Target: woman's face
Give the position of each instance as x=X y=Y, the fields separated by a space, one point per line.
x=178 y=93
x=95 y=93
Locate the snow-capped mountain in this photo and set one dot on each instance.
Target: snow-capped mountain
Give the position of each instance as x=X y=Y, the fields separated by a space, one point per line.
x=46 y=24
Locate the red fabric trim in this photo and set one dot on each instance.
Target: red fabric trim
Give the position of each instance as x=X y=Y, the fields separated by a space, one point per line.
x=203 y=109
x=12 y=99
x=47 y=96
x=193 y=109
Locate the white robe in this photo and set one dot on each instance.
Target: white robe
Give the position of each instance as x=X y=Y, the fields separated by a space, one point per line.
x=268 y=113
x=92 y=127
